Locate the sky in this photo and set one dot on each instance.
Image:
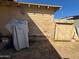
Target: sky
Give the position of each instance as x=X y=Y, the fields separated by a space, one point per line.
x=69 y=7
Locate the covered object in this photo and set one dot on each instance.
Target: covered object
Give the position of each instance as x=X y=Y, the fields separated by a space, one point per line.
x=19 y=30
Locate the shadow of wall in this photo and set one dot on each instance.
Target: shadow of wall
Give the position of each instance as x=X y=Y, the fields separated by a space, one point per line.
x=40 y=28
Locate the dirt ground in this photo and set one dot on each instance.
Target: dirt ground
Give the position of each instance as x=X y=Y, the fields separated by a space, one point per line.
x=68 y=49
x=37 y=50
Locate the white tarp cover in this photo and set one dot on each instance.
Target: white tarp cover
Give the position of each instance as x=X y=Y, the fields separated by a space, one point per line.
x=19 y=29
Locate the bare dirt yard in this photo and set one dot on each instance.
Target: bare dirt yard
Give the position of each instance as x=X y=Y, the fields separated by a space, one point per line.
x=37 y=50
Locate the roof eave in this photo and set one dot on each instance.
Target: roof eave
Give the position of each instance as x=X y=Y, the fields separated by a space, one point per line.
x=43 y=5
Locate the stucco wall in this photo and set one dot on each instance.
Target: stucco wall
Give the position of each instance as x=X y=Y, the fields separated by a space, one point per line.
x=40 y=20
x=65 y=31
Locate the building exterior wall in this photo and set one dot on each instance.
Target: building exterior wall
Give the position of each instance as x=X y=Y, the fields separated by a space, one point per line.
x=40 y=20
x=65 y=31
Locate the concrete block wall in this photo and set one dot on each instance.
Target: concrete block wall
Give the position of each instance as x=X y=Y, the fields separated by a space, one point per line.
x=40 y=20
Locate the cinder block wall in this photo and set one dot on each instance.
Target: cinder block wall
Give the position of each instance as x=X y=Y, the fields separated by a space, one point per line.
x=40 y=20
